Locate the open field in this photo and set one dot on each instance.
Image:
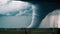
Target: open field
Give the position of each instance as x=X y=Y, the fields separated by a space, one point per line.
x=29 y=31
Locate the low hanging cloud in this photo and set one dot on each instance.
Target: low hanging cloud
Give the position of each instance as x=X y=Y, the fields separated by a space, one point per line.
x=14 y=9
